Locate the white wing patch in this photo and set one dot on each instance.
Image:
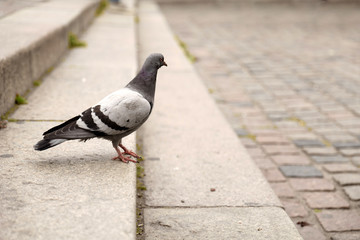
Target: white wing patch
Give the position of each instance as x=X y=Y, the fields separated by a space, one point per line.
x=125 y=107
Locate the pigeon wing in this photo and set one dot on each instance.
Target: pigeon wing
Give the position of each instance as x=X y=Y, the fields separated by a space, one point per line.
x=120 y=113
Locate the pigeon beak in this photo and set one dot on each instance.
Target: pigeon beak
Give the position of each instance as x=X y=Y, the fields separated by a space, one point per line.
x=164 y=63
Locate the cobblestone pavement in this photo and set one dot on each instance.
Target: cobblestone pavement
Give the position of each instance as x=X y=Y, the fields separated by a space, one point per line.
x=287 y=77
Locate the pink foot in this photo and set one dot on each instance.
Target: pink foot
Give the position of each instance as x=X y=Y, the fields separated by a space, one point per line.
x=122 y=158
x=129 y=152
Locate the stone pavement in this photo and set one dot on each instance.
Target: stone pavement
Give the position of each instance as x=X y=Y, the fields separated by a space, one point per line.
x=286 y=76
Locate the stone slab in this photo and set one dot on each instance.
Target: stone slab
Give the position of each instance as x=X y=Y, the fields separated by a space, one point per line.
x=72 y=191
x=211 y=223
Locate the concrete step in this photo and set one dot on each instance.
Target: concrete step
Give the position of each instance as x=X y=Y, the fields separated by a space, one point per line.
x=201 y=182
x=75 y=190
x=33 y=40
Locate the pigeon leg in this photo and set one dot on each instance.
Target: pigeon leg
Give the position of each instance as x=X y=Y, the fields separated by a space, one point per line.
x=129 y=152
x=122 y=158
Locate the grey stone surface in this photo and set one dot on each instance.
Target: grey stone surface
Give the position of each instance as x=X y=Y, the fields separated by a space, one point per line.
x=308 y=143
x=346 y=144
x=269 y=223
x=329 y=159
x=241 y=132
x=300 y=171
x=74 y=190
x=347 y=178
x=33 y=39
x=353 y=192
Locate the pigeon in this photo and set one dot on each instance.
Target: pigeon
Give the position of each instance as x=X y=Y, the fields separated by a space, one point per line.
x=114 y=117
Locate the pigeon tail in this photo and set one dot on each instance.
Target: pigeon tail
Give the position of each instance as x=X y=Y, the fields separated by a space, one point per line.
x=48 y=143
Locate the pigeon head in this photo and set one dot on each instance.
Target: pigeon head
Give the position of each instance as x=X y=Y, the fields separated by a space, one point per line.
x=155 y=60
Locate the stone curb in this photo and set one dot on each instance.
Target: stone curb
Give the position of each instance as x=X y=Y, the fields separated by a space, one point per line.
x=200 y=180
x=34 y=39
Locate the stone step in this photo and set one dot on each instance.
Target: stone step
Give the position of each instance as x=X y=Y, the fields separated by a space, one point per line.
x=33 y=40
x=74 y=190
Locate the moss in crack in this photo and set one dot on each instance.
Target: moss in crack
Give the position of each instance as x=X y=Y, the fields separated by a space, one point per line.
x=74 y=42
x=136 y=19
x=140 y=186
x=185 y=49
x=37 y=83
x=101 y=8
x=20 y=99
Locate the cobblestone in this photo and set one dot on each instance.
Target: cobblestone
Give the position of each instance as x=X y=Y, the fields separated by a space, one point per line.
x=283 y=189
x=280 y=150
x=308 y=143
x=312 y=184
x=347 y=178
x=333 y=200
x=353 y=192
x=273 y=175
x=303 y=92
x=346 y=144
x=311 y=233
x=329 y=159
x=294 y=208
x=340 y=168
x=300 y=171
x=345 y=236
x=350 y=152
x=290 y=159
x=339 y=220
x=356 y=161
x=324 y=151
x=278 y=140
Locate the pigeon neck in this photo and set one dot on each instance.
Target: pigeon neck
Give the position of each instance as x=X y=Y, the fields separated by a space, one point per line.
x=144 y=83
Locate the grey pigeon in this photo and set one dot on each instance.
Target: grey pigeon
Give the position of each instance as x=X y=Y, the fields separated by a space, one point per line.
x=114 y=117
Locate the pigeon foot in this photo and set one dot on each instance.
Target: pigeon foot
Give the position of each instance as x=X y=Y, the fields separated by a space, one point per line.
x=122 y=158
x=129 y=152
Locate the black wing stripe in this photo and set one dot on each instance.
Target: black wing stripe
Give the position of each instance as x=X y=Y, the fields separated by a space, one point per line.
x=106 y=120
x=88 y=120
